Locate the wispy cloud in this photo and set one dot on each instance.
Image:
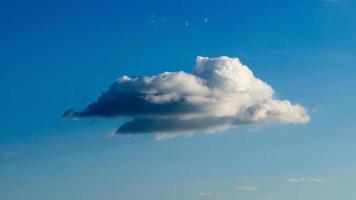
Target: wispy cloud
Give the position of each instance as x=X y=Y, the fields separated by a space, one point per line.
x=208 y=194
x=243 y=188
x=331 y=1
x=305 y=180
x=153 y=19
x=7 y=154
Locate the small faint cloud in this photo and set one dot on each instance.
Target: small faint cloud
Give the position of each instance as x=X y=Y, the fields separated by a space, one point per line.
x=255 y=128
x=208 y=194
x=275 y=197
x=186 y=23
x=7 y=154
x=243 y=188
x=167 y=136
x=316 y=109
x=331 y=1
x=205 y=20
x=111 y=135
x=305 y=180
x=153 y=19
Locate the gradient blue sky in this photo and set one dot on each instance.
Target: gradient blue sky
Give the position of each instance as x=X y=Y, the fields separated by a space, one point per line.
x=55 y=55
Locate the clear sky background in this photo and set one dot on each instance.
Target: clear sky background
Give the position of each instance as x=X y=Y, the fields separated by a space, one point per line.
x=55 y=55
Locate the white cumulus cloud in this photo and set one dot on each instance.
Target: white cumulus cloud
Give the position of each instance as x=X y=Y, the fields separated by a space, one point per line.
x=219 y=94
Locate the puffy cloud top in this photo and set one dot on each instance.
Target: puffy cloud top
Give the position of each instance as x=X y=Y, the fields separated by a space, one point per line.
x=219 y=94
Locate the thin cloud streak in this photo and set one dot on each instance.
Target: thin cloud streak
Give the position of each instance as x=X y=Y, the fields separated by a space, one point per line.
x=246 y=188
x=304 y=180
x=208 y=194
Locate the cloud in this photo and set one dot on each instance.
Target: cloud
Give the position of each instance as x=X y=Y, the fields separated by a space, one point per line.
x=219 y=94
x=7 y=154
x=153 y=19
x=246 y=188
x=304 y=180
x=331 y=1
x=209 y=194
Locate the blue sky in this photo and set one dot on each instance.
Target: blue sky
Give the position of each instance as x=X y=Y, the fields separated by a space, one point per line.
x=56 y=55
